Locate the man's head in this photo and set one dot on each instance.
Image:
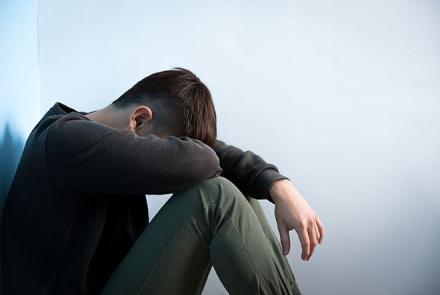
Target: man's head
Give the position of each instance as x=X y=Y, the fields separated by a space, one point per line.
x=173 y=102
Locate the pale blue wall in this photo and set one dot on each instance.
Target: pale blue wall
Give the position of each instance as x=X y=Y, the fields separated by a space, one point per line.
x=342 y=95
x=19 y=85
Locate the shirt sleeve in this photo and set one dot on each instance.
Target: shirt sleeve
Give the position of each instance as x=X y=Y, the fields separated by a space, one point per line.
x=247 y=170
x=88 y=157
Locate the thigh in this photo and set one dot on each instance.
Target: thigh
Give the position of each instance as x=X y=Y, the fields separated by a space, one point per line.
x=171 y=256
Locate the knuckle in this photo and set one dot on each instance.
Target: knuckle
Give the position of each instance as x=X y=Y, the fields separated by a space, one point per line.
x=303 y=224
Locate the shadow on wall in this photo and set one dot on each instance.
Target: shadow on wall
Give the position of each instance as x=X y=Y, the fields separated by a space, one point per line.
x=11 y=147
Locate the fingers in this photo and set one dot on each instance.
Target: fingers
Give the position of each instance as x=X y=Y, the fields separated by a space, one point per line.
x=310 y=235
x=305 y=242
x=317 y=233
x=312 y=238
x=321 y=229
x=285 y=238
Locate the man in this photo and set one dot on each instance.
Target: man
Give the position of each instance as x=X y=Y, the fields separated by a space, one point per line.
x=76 y=219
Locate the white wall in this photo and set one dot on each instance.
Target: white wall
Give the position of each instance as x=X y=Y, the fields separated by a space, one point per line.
x=343 y=96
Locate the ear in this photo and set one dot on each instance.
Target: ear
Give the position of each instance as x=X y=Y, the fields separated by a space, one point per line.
x=139 y=116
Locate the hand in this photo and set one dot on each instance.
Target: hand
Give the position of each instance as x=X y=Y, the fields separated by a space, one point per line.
x=293 y=212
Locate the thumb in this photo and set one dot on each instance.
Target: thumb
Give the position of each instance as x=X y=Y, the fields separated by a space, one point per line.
x=285 y=239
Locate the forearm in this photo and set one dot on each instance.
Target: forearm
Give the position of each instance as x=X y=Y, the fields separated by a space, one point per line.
x=247 y=170
x=91 y=158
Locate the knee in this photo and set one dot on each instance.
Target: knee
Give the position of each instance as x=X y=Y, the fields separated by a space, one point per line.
x=218 y=188
x=218 y=183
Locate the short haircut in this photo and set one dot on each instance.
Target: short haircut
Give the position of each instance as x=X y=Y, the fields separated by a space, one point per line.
x=180 y=101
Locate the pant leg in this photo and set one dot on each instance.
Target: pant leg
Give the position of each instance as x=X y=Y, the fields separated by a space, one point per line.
x=274 y=241
x=211 y=224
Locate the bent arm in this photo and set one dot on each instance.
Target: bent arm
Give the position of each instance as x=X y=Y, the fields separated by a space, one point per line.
x=88 y=157
x=247 y=170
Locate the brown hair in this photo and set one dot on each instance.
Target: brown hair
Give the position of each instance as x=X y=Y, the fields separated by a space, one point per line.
x=180 y=99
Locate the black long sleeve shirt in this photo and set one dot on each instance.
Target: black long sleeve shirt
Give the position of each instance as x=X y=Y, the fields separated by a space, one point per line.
x=77 y=201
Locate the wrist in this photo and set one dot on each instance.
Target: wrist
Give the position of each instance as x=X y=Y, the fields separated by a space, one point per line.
x=265 y=181
x=278 y=189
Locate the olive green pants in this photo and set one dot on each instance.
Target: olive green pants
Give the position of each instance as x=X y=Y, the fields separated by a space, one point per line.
x=211 y=224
